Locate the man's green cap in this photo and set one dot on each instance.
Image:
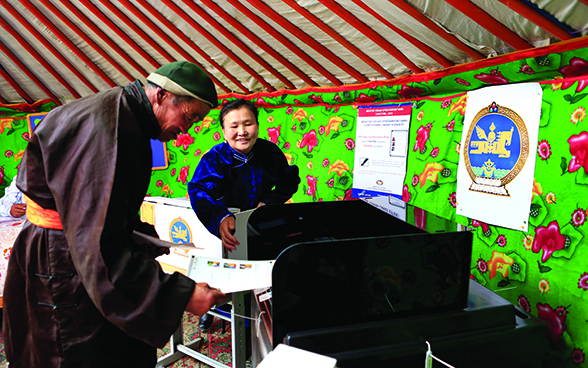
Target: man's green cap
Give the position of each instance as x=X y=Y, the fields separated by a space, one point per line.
x=184 y=78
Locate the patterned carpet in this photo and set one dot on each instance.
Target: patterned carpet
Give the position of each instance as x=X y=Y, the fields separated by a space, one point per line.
x=216 y=344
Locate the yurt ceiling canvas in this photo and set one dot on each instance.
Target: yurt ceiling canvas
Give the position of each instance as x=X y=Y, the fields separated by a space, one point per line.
x=65 y=49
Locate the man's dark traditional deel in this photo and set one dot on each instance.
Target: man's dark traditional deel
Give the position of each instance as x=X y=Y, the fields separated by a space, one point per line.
x=87 y=296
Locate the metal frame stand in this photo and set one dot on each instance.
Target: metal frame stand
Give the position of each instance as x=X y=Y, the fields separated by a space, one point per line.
x=238 y=340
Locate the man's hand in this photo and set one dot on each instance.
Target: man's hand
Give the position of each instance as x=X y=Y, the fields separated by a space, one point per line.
x=18 y=210
x=226 y=230
x=203 y=298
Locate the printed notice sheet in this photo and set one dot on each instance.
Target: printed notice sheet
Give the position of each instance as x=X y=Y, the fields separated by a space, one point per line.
x=380 y=150
x=231 y=275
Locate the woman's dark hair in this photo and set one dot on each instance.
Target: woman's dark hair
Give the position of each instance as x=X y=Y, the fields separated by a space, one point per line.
x=236 y=105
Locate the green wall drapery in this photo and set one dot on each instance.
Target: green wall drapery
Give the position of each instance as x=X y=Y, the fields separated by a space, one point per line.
x=316 y=130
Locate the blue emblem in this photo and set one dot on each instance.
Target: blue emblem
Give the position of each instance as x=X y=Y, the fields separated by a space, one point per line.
x=496 y=149
x=179 y=231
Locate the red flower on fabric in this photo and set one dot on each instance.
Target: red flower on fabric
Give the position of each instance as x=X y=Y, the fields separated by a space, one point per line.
x=348 y=195
x=422 y=138
x=420 y=218
x=309 y=140
x=578 y=217
x=337 y=98
x=485 y=227
x=462 y=81
x=544 y=149
x=289 y=110
x=450 y=125
x=274 y=134
x=325 y=162
x=216 y=136
x=415 y=180
x=583 y=282
x=577 y=67
x=578 y=356
x=526 y=69
x=349 y=143
x=8 y=153
x=197 y=153
x=1 y=174
x=453 y=199
x=316 y=98
x=405 y=194
x=501 y=241
x=556 y=321
x=495 y=77
x=184 y=171
x=159 y=183
x=331 y=182
x=482 y=265
x=173 y=172
x=549 y=239
x=410 y=92
x=435 y=152
x=311 y=180
x=184 y=140
x=260 y=102
x=25 y=136
x=364 y=98
x=524 y=303
x=578 y=149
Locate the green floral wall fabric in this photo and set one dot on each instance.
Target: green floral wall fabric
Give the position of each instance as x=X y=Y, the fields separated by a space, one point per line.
x=543 y=271
x=14 y=135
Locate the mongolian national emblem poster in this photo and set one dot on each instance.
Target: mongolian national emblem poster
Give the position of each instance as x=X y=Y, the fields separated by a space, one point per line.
x=498 y=150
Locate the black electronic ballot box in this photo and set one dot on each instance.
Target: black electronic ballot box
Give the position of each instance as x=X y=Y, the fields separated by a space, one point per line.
x=352 y=282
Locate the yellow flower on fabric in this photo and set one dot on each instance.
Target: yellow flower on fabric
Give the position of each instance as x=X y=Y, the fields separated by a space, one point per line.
x=459 y=105
x=500 y=263
x=165 y=189
x=334 y=122
x=528 y=241
x=289 y=158
x=5 y=123
x=544 y=286
x=578 y=115
x=309 y=165
x=556 y=86
x=339 y=167
x=550 y=198
x=270 y=119
x=206 y=122
x=431 y=173
x=299 y=115
x=17 y=156
x=537 y=189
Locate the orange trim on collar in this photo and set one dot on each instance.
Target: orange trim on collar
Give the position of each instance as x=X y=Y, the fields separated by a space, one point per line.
x=48 y=219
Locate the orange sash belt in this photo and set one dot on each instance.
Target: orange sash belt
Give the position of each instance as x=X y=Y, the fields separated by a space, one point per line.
x=48 y=219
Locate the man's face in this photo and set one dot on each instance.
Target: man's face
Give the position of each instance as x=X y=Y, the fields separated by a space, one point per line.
x=177 y=118
x=241 y=129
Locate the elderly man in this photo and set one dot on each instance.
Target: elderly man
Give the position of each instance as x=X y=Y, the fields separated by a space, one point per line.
x=79 y=291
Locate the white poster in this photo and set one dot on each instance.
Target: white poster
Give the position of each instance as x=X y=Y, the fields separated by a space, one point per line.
x=497 y=159
x=381 y=147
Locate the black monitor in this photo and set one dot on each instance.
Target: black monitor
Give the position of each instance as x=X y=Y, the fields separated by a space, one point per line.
x=322 y=284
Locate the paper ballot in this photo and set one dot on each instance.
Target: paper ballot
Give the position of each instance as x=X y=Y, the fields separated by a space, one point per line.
x=284 y=356
x=230 y=275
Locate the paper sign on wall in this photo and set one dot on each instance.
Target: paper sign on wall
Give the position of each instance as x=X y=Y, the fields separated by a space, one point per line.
x=381 y=150
x=497 y=159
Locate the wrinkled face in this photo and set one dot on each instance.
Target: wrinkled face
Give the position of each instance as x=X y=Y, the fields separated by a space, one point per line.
x=241 y=129
x=177 y=118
